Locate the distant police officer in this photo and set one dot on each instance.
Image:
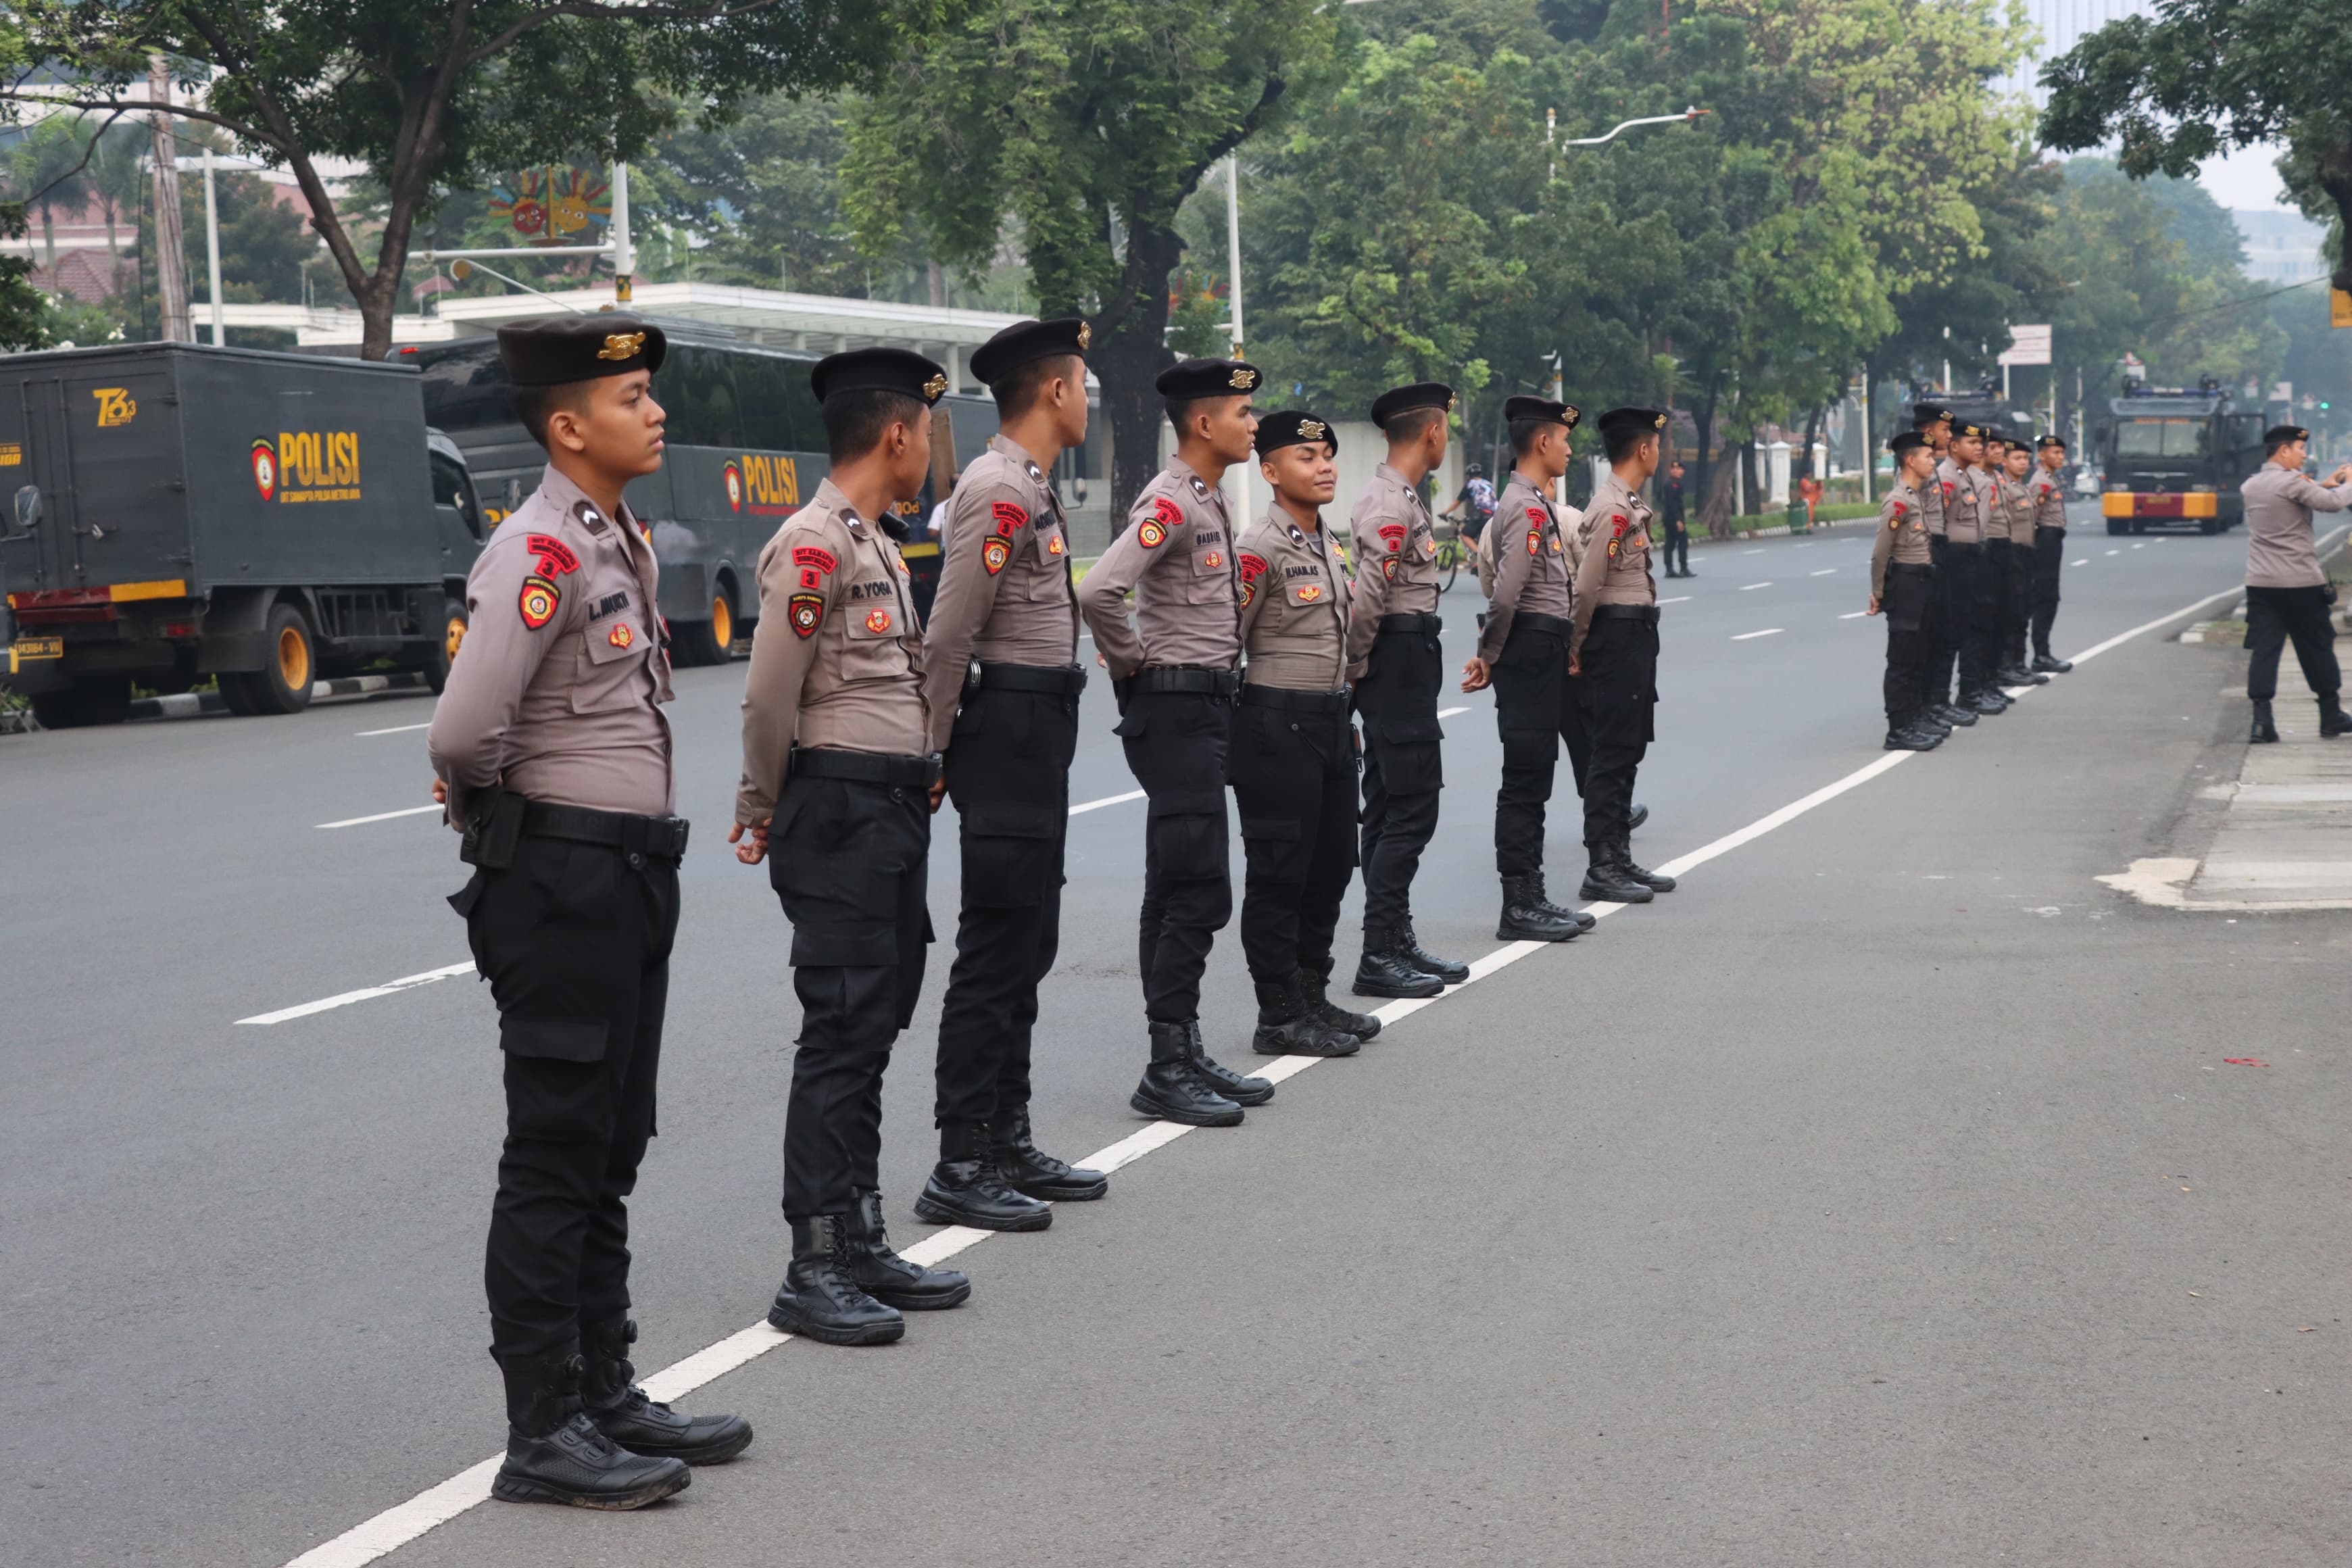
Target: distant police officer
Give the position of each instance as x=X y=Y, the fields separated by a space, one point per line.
x=839 y=783
x=1671 y=511
x=1293 y=756
x=1176 y=672
x=1968 y=603
x=2287 y=594
x=1393 y=659
x=2048 y=501
x=1933 y=422
x=1902 y=588
x=1523 y=649
x=2017 y=604
x=553 y=755
x=1612 y=654
x=1002 y=680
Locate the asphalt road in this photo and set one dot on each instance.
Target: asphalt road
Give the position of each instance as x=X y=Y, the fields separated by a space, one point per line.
x=1883 y=1196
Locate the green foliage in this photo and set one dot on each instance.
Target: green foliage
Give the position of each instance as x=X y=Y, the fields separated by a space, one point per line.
x=23 y=309
x=757 y=197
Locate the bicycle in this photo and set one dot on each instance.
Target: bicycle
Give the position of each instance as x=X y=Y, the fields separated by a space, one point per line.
x=1453 y=552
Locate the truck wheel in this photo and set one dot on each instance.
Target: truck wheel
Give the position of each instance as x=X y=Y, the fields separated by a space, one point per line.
x=283 y=684
x=2208 y=525
x=452 y=633
x=708 y=642
x=83 y=704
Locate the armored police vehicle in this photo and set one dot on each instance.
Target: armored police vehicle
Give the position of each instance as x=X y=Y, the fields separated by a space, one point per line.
x=178 y=511
x=2175 y=455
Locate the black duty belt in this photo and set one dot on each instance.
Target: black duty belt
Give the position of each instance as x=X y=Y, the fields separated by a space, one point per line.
x=1411 y=623
x=663 y=837
x=1951 y=543
x=2042 y=528
x=1918 y=568
x=1647 y=614
x=866 y=767
x=1189 y=678
x=1254 y=695
x=1055 y=680
x=1551 y=626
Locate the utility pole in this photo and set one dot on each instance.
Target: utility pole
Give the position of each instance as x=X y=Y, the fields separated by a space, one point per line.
x=171 y=262
x=211 y=250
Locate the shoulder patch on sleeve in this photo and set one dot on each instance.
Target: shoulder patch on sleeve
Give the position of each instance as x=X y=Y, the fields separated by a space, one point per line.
x=1169 y=514
x=806 y=612
x=994 y=553
x=1393 y=535
x=539 y=602
x=1009 y=518
x=813 y=557
x=555 y=557
x=1253 y=566
x=1535 y=540
x=1536 y=515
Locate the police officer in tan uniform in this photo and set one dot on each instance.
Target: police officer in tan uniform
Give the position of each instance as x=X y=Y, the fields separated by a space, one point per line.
x=1523 y=649
x=839 y=782
x=1395 y=660
x=1934 y=423
x=1612 y=654
x=1902 y=588
x=2016 y=467
x=2049 y=503
x=1292 y=766
x=1002 y=679
x=1963 y=572
x=553 y=755
x=1176 y=671
x=2287 y=593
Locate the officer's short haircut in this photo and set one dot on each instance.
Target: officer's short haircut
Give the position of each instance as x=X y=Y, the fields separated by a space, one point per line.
x=1620 y=443
x=535 y=405
x=1019 y=391
x=1406 y=427
x=1524 y=431
x=856 y=421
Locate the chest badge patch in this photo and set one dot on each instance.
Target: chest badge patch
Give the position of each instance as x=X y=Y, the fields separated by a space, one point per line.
x=1054 y=545
x=877 y=621
x=807 y=610
x=1309 y=591
x=621 y=635
x=994 y=555
x=540 y=601
x=555 y=557
x=1212 y=561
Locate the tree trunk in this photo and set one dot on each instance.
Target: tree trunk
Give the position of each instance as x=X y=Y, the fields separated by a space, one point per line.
x=1128 y=356
x=1812 y=433
x=1715 y=510
x=49 y=242
x=1704 y=460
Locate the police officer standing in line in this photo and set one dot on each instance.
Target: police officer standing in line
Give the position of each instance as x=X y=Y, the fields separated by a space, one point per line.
x=1522 y=650
x=839 y=782
x=1963 y=568
x=2048 y=504
x=1612 y=654
x=1395 y=661
x=1176 y=673
x=1671 y=512
x=1935 y=423
x=552 y=754
x=1293 y=756
x=1903 y=587
x=2016 y=463
x=1002 y=644
x=2287 y=594
x=1994 y=586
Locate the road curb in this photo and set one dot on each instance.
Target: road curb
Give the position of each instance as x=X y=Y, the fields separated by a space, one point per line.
x=195 y=704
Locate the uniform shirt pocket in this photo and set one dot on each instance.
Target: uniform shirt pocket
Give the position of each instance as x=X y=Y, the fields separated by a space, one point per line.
x=611 y=651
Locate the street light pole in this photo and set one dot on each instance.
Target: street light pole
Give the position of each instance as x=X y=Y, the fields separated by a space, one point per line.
x=211 y=250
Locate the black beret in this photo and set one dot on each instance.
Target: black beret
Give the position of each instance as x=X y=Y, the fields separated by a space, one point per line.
x=1962 y=432
x=1293 y=427
x=1928 y=412
x=1398 y=400
x=2279 y=434
x=2050 y=441
x=550 y=351
x=1025 y=342
x=1188 y=379
x=1906 y=441
x=1620 y=422
x=901 y=370
x=1542 y=409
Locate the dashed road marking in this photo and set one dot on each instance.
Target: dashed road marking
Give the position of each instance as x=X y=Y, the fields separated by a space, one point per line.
x=1855 y=616
x=1081 y=809
x=381 y=816
x=325 y=1004
x=1826 y=571
x=1767 y=632
x=395 y=729
x=1751 y=587
x=1677 y=599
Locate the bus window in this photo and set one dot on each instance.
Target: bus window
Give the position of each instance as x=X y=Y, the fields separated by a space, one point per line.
x=696 y=388
x=467 y=390
x=767 y=406
x=450 y=489
x=2160 y=438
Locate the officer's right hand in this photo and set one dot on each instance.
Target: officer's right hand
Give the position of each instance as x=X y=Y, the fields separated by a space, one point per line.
x=755 y=849
x=440 y=791
x=1575 y=665
x=1874 y=606
x=1477 y=674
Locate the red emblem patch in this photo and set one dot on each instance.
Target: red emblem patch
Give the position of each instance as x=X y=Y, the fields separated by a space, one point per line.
x=1169 y=514
x=1249 y=592
x=621 y=635
x=1309 y=591
x=1536 y=516
x=1535 y=540
x=1054 y=545
x=807 y=610
x=994 y=555
x=555 y=557
x=811 y=578
x=539 y=602
x=1150 y=535
x=1212 y=561
x=877 y=620
x=1388 y=568
x=1253 y=567
x=1393 y=535
x=818 y=559
x=1900 y=510
x=1008 y=517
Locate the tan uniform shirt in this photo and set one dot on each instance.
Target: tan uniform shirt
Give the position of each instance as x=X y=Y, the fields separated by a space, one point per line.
x=1931 y=498
x=1293 y=606
x=1902 y=536
x=1614 y=568
x=2280 y=552
x=1177 y=554
x=1531 y=567
x=1396 y=566
x=558 y=691
x=837 y=658
x=2048 y=501
x=1964 y=502
x=1004 y=594
x=2006 y=515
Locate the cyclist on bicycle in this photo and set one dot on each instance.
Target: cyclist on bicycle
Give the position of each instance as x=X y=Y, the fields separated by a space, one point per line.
x=1478 y=494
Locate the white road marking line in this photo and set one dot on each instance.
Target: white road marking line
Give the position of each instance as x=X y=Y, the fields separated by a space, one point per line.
x=397 y=1526
x=395 y=729
x=1450 y=712
x=2115 y=551
x=2142 y=545
x=2085 y=561
x=380 y=817
x=1677 y=599
x=1756 y=551
x=1753 y=587
x=1853 y=615
x=406 y=983
x=1107 y=800
x=1767 y=632
x=1826 y=572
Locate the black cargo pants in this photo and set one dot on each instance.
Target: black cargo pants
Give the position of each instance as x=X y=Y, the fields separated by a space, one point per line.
x=1617 y=699
x=1008 y=770
x=1533 y=714
x=849 y=860
x=1403 y=765
x=2018 y=622
x=574 y=939
x=1176 y=743
x=1294 y=777
x=1958 y=569
x=2275 y=615
x=2049 y=555
x=1909 y=606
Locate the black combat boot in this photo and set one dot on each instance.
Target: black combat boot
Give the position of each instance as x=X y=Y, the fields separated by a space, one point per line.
x=821 y=1299
x=643 y=1425
x=555 y=1453
x=1987 y=702
x=1173 y=1091
x=1584 y=922
x=1385 y=971
x=1233 y=1086
x=1641 y=815
x=1911 y=741
x=889 y=1279
x=2049 y=666
x=2264 y=729
x=2333 y=722
x=966 y=1189
x=1316 y=987
x=1606 y=880
x=1028 y=1169
x=1648 y=878
x=2018 y=675
x=1286 y=1026
x=1953 y=713
x=1428 y=963
x=1527 y=917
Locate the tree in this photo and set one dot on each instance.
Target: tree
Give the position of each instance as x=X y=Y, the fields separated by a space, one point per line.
x=428 y=93
x=23 y=309
x=2203 y=76
x=1083 y=128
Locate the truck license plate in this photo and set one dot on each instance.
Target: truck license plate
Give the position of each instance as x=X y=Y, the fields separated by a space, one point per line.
x=23 y=650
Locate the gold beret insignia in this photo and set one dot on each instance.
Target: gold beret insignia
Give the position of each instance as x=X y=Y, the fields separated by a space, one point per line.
x=1450 y=402
x=936 y=385
x=1243 y=379
x=1311 y=428
x=621 y=346
x=1660 y=422
x=1085 y=337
